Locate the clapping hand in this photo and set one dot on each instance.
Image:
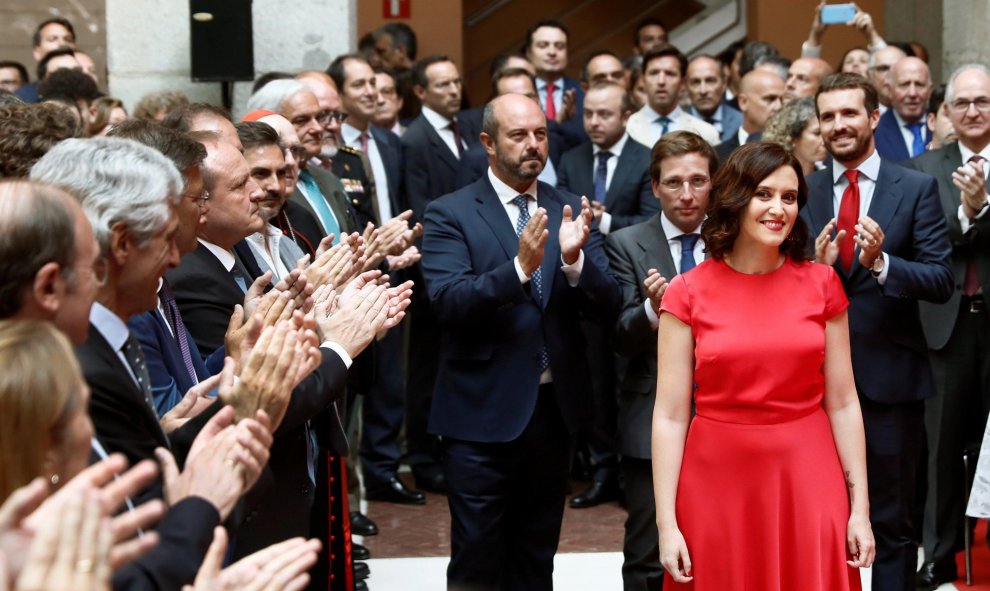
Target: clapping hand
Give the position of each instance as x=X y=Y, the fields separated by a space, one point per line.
x=971 y=183
x=869 y=237
x=655 y=285
x=279 y=567
x=826 y=247
x=574 y=232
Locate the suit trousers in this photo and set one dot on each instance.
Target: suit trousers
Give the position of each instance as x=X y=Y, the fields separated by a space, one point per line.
x=382 y=412
x=600 y=434
x=641 y=570
x=424 y=347
x=506 y=504
x=953 y=419
x=894 y=436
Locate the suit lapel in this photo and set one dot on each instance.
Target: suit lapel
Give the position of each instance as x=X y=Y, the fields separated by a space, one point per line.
x=493 y=212
x=585 y=181
x=655 y=249
x=886 y=199
x=440 y=147
x=623 y=170
x=820 y=198
x=950 y=161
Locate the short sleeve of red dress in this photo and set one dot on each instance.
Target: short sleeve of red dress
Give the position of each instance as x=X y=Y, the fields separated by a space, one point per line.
x=677 y=300
x=835 y=298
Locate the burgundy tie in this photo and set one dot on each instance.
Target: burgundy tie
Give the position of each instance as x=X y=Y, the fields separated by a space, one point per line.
x=457 y=137
x=971 y=283
x=551 y=110
x=848 y=216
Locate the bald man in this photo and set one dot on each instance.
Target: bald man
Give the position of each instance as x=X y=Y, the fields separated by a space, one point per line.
x=804 y=76
x=761 y=95
x=881 y=61
x=902 y=132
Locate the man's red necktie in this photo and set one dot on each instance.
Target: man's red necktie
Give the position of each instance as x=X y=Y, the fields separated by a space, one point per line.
x=551 y=110
x=848 y=217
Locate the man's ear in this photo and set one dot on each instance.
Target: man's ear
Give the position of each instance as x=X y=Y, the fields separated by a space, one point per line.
x=419 y=91
x=120 y=244
x=48 y=287
x=488 y=142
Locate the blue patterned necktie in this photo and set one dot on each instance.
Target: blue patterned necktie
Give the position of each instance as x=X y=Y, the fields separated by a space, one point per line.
x=918 y=145
x=174 y=319
x=665 y=122
x=320 y=205
x=522 y=202
x=687 y=251
x=135 y=360
x=601 y=175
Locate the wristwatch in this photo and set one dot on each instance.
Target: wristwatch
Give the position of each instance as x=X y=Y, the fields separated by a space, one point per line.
x=877 y=267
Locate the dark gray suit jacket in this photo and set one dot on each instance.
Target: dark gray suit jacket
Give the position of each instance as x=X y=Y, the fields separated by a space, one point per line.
x=429 y=167
x=938 y=320
x=631 y=253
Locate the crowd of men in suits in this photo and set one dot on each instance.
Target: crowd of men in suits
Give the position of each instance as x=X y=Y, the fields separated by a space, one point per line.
x=395 y=278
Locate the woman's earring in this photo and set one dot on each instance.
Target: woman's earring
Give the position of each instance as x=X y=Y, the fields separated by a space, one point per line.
x=54 y=479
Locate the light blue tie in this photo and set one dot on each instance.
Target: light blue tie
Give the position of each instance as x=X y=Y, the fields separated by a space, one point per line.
x=665 y=122
x=320 y=205
x=687 y=251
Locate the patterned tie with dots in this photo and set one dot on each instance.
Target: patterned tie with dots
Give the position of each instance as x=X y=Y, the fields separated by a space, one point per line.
x=536 y=278
x=135 y=359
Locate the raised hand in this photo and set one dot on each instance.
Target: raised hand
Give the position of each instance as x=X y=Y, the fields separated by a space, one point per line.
x=192 y=404
x=408 y=258
x=655 y=285
x=869 y=237
x=969 y=179
x=827 y=248
x=278 y=567
x=574 y=231
x=360 y=315
x=532 y=242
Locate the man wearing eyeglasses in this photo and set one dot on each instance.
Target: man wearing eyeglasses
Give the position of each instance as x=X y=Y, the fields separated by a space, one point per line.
x=902 y=132
x=958 y=331
x=644 y=258
x=881 y=61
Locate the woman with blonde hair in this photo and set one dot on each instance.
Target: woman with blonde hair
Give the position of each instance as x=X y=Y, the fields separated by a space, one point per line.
x=795 y=127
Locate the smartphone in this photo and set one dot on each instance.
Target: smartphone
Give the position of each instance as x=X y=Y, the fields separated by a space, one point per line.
x=836 y=14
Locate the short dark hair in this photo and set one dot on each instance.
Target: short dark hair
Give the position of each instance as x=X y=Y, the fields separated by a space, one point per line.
x=182 y=150
x=728 y=55
x=666 y=50
x=499 y=61
x=547 y=22
x=751 y=54
x=254 y=134
x=17 y=66
x=71 y=84
x=849 y=81
x=650 y=21
x=152 y=103
x=336 y=69
x=599 y=53
x=936 y=99
x=419 y=77
x=181 y=118
x=27 y=132
x=268 y=77
x=681 y=143
x=57 y=52
x=402 y=35
x=732 y=189
x=510 y=73
x=36 y=38
x=625 y=102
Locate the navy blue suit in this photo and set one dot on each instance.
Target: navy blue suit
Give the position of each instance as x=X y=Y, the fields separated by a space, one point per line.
x=572 y=131
x=629 y=197
x=505 y=437
x=170 y=379
x=390 y=149
x=889 y=352
x=890 y=141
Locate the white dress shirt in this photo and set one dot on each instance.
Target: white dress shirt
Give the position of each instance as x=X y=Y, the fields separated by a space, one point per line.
x=442 y=126
x=656 y=128
x=352 y=137
x=266 y=245
x=869 y=169
x=605 y=223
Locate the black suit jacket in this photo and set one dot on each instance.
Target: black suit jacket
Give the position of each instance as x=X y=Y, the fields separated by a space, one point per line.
x=390 y=149
x=889 y=353
x=629 y=198
x=938 y=320
x=429 y=166
x=631 y=253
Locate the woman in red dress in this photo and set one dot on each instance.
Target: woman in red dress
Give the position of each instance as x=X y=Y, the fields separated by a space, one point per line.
x=767 y=488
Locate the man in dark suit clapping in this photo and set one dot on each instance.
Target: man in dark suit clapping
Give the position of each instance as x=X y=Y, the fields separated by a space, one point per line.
x=508 y=263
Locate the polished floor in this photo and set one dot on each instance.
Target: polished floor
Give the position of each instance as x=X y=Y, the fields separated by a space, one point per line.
x=411 y=551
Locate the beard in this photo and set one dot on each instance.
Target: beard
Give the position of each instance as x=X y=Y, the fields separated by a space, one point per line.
x=860 y=147
x=329 y=150
x=523 y=168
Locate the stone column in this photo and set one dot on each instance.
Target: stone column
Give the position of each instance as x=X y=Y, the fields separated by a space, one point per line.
x=922 y=21
x=965 y=30
x=148 y=48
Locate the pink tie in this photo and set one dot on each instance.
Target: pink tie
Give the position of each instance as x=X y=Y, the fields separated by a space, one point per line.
x=364 y=141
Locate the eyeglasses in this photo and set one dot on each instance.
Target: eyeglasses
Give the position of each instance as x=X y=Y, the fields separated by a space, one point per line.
x=676 y=185
x=881 y=68
x=982 y=104
x=324 y=117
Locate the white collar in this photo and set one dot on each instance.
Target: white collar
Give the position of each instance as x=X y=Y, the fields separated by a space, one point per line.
x=967 y=153
x=671 y=231
x=869 y=167
x=223 y=255
x=558 y=83
x=435 y=119
x=615 y=149
x=351 y=134
x=652 y=116
x=109 y=325
x=902 y=123
x=506 y=193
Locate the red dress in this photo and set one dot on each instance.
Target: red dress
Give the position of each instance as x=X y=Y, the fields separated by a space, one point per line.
x=761 y=499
